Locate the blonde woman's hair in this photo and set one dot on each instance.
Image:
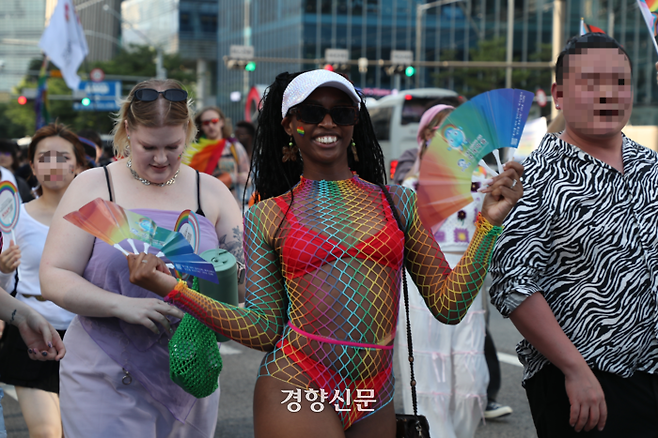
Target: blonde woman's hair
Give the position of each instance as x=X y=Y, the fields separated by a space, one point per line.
x=155 y=114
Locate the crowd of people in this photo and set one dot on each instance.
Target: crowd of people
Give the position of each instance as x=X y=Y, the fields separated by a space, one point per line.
x=569 y=238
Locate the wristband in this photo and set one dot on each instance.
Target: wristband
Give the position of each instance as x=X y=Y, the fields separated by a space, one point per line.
x=486 y=226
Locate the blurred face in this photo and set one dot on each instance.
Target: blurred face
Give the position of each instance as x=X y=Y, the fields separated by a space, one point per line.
x=596 y=95
x=54 y=163
x=156 y=152
x=6 y=160
x=325 y=142
x=244 y=137
x=212 y=124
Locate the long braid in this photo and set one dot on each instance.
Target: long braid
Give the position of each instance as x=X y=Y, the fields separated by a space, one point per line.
x=272 y=177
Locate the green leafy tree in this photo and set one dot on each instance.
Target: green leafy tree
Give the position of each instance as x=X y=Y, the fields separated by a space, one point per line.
x=473 y=81
x=136 y=61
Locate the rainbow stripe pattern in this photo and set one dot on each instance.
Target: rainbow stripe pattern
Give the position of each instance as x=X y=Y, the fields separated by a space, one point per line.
x=9 y=206
x=649 y=10
x=112 y=224
x=324 y=265
x=486 y=123
x=188 y=225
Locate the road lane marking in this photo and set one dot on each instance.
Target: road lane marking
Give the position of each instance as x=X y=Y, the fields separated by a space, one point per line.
x=509 y=359
x=227 y=350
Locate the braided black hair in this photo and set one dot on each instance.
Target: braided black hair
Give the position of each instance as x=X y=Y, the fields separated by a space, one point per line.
x=272 y=177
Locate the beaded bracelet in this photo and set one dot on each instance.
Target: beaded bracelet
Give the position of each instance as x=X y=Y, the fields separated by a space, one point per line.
x=486 y=226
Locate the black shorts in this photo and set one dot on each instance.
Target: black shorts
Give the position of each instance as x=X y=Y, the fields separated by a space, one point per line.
x=16 y=367
x=632 y=405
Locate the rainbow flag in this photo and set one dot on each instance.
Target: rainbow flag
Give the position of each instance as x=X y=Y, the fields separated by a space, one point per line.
x=41 y=101
x=649 y=9
x=588 y=28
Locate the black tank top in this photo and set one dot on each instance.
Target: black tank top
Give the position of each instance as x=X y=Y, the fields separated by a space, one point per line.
x=199 y=211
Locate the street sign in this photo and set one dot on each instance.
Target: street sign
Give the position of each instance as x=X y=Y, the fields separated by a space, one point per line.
x=105 y=90
x=242 y=52
x=336 y=56
x=541 y=97
x=100 y=105
x=96 y=75
x=103 y=96
x=402 y=57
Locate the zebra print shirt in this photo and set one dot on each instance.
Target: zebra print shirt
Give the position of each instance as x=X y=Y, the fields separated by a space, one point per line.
x=586 y=237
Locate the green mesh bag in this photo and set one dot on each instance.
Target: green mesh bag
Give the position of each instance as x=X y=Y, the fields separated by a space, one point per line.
x=194 y=359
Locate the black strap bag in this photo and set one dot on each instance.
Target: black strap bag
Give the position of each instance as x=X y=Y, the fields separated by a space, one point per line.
x=408 y=426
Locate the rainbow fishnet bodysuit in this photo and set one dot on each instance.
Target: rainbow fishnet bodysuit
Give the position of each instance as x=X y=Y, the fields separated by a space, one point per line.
x=323 y=287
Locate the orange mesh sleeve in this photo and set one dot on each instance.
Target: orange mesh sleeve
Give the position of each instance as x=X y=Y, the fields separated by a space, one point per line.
x=447 y=292
x=259 y=324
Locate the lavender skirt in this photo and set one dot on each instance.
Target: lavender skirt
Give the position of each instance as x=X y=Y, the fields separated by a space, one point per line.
x=95 y=402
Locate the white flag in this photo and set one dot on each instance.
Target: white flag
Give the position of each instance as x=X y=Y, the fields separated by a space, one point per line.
x=64 y=42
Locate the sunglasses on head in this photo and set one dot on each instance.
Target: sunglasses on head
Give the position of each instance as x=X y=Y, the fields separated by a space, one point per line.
x=149 y=95
x=208 y=122
x=314 y=114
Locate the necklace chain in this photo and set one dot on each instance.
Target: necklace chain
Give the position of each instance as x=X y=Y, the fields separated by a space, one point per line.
x=146 y=182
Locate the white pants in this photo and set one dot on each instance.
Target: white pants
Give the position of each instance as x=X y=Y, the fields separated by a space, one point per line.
x=449 y=365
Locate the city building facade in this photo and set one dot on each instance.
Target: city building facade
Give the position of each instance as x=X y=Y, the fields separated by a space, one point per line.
x=304 y=29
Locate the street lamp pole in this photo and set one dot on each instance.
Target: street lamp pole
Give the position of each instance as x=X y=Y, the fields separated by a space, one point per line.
x=510 y=42
x=558 y=31
x=419 y=30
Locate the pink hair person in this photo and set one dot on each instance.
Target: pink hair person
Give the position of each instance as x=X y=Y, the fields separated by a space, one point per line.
x=426 y=119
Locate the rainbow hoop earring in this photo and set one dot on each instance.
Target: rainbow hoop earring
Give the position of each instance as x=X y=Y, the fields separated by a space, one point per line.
x=301 y=131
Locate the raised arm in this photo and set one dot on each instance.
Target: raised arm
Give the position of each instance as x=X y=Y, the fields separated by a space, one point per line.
x=260 y=324
x=447 y=292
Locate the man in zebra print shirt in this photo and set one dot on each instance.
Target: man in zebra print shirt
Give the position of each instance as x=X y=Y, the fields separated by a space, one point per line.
x=576 y=266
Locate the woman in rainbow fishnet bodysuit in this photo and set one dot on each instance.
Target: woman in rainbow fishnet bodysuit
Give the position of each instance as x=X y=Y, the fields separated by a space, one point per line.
x=324 y=257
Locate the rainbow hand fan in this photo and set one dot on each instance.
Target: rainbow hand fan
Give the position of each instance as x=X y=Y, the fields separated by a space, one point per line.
x=649 y=10
x=483 y=125
x=112 y=224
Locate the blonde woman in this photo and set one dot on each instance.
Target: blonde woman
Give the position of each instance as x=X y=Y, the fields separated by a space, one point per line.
x=115 y=380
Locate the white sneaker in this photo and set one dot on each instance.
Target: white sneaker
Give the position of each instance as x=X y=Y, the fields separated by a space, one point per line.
x=496 y=410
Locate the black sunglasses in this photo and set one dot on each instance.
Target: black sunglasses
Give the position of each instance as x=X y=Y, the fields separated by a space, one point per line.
x=314 y=114
x=149 y=94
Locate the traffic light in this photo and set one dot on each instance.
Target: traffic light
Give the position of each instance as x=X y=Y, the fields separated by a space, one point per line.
x=22 y=100
x=239 y=64
x=410 y=71
x=328 y=67
x=85 y=101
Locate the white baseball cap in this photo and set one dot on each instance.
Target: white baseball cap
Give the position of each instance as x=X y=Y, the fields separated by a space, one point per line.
x=306 y=83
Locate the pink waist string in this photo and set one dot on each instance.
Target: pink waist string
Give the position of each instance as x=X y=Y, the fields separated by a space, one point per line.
x=339 y=342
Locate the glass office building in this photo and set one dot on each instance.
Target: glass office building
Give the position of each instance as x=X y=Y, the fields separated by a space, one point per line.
x=21 y=25
x=186 y=27
x=372 y=28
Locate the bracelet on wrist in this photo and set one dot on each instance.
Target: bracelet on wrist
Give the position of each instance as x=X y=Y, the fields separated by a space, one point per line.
x=486 y=226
